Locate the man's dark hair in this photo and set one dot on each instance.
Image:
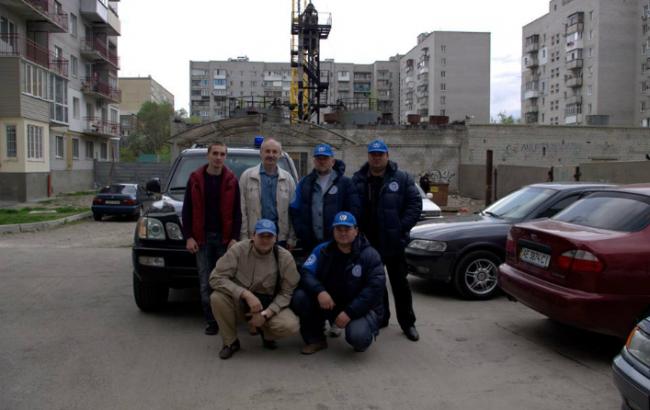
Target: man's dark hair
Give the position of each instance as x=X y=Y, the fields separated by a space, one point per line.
x=217 y=143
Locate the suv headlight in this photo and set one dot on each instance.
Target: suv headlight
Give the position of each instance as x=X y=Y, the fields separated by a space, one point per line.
x=638 y=345
x=174 y=231
x=151 y=228
x=431 y=246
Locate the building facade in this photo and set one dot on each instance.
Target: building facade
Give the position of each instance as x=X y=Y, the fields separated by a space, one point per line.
x=447 y=74
x=135 y=92
x=585 y=63
x=59 y=105
x=217 y=88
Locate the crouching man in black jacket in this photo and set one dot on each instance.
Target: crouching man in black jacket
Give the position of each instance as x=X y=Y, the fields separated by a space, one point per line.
x=344 y=281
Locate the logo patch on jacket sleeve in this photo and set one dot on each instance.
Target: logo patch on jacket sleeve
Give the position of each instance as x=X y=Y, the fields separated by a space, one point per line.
x=393 y=186
x=310 y=261
x=356 y=271
x=334 y=190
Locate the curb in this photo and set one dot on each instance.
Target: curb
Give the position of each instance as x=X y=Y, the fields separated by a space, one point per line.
x=41 y=226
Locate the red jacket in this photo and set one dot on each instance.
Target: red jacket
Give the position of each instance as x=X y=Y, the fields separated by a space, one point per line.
x=229 y=200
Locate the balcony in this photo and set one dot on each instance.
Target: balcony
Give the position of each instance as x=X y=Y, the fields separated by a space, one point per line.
x=41 y=15
x=95 y=48
x=574 y=82
x=572 y=44
x=575 y=64
x=530 y=108
x=575 y=23
x=101 y=15
x=573 y=119
x=13 y=45
x=97 y=126
x=532 y=117
x=101 y=89
x=574 y=99
x=531 y=61
x=531 y=44
x=530 y=94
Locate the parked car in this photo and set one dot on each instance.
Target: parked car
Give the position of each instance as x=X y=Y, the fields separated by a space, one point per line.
x=119 y=199
x=632 y=368
x=160 y=260
x=589 y=265
x=429 y=208
x=467 y=250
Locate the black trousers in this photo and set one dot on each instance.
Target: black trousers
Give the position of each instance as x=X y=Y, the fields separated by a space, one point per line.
x=397 y=272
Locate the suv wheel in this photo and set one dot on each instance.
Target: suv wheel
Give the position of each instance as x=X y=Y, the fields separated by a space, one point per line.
x=149 y=297
x=476 y=275
x=97 y=216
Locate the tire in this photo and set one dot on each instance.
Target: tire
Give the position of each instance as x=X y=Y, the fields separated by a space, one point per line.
x=476 y=275
x=149 y=297
x=97 y=216
x=138 y=213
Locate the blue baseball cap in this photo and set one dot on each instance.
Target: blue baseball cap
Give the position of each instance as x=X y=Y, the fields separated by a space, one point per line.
x=265 y=226
x=377 y=146
x=344 y=219
x=323 y=150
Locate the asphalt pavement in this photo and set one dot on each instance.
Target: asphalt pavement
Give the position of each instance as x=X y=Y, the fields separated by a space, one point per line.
x=71 y=337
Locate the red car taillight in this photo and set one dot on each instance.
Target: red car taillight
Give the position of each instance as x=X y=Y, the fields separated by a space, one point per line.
x=580 y=261
x=511 y=248
x=128 y=202
x=98 y=201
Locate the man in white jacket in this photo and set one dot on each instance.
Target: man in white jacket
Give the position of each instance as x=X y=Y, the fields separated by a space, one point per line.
x=266 y=192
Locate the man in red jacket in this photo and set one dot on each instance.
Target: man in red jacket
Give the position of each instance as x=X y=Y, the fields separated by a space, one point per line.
x=211 y=220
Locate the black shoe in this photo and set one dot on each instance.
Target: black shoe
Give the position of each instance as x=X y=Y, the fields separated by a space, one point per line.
x=268 y=344
x=227 y=351
x=211 y=329
x=412 y=334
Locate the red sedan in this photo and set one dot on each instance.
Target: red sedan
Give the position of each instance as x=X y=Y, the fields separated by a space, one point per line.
x=588 y=266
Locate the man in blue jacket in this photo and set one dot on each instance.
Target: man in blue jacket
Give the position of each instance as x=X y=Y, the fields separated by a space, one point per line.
x=390 y=207
x=342 y=281
x=319 y=196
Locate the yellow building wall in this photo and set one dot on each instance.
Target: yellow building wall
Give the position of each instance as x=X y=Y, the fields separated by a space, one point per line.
x=21 y=163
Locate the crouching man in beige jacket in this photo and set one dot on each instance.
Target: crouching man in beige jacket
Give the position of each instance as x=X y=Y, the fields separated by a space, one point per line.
x=254 y=282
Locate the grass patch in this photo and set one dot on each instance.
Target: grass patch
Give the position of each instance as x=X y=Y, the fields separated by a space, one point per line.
x=22 y=216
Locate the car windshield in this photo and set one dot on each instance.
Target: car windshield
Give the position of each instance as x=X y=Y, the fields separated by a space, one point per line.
x=237 y=162
x=611 y=211
x=520 y=203
x=118 y=189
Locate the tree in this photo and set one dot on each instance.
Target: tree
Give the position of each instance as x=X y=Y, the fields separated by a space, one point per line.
x=154 y=125
x=504 y=118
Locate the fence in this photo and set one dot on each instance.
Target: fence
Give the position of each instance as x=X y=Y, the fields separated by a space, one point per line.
x=110 y=172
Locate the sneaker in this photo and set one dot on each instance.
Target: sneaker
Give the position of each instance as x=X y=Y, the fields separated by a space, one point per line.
x=227 y=351
x=334 y=331
x=211 y=329
x=312 y=348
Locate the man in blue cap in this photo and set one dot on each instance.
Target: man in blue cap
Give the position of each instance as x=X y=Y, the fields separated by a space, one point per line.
x=390 y=207
x=343 y=281
x=319 y=196
x=254 y=281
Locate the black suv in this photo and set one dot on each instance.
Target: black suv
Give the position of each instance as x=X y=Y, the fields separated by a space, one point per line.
x=160 y=260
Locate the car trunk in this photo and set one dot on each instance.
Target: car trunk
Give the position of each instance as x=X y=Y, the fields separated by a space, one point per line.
x=542 y=248
x=114 y=199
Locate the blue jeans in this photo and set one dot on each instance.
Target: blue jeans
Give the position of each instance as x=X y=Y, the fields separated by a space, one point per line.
x=206 y=258
x=359 y=333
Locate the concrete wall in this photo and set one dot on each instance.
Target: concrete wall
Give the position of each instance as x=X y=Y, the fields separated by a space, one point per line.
x=510 y=178
x=72 y=181
x=471 y=181
x=617 y=172
x=108 y=172
x=23 y=187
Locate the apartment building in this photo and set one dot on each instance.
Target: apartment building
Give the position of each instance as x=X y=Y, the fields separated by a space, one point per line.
x=447 y=74
x=135 y=92
x=59 y=105
x=585 y=63
x=219 y=87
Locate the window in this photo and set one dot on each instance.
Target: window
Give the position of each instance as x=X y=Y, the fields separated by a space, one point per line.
x=443 y=86
x=443 y=61
x=75 y=148
x=443 y=74
x=12 y=148
x=443 y=48
x=103 y=151
x=90 y=150
x=58 y=94
x=59 y=146
x=75 y=108
x=74 y=66
x=73 y=25
x=34 y=142
x=443 y=99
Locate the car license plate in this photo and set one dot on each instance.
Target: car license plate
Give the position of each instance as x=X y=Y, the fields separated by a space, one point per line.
x=112 y=202
x=535 y=258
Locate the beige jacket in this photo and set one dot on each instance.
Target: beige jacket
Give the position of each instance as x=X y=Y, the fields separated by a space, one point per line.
x=243 y=268
x=251 y=204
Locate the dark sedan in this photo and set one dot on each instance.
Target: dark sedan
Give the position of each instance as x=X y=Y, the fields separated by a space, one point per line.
x=632 y=369
x=467 y=250
x=119 y=199
x=588 y=266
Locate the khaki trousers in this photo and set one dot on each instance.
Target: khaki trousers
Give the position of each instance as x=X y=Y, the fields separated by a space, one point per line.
x=228 y=313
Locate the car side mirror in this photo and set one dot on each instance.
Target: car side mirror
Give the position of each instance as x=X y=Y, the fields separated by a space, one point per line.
x=430 y=195
x=153 y=186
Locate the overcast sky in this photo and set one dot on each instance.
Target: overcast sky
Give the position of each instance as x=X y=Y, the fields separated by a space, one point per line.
x=160 y=37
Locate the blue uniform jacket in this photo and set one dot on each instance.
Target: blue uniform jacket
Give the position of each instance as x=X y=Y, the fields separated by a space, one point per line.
x=341 y=196
x=399 y=209
x=365 y=280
